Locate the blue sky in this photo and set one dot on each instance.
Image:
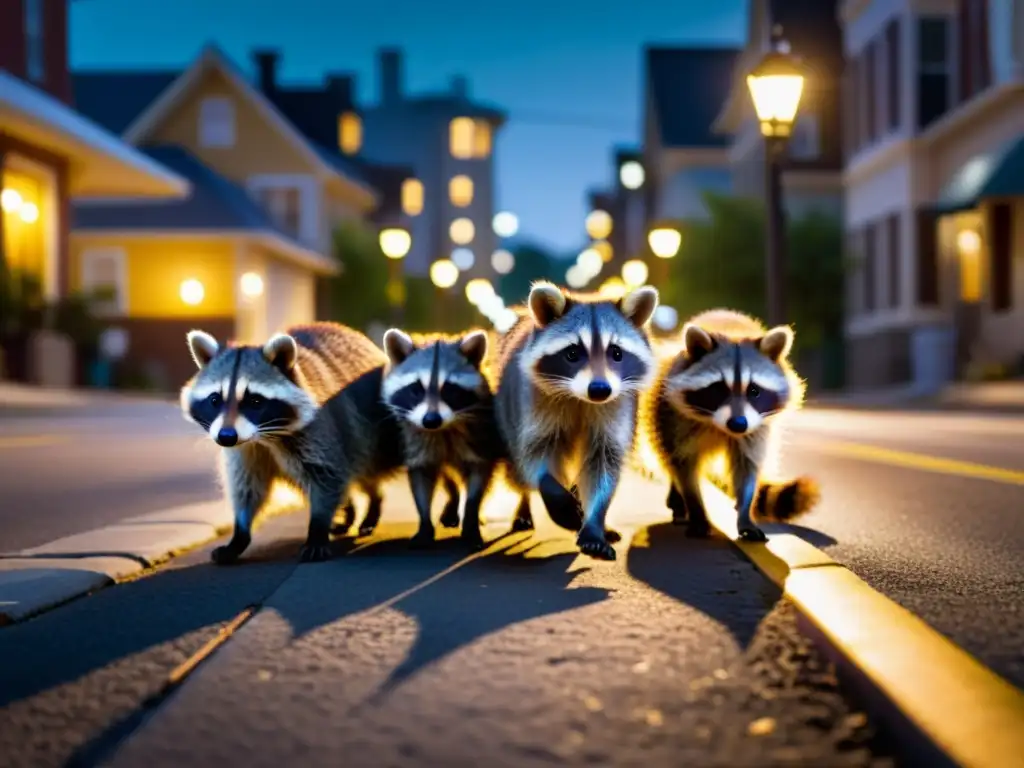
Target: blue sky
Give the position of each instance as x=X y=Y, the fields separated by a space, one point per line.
x=568 y=71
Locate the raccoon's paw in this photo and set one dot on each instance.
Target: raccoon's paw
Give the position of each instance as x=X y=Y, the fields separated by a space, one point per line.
x=424 y=538
x=696 y=529
x=752 y=533
x=315 y=553
x=522 y=524
x=612 y=537
x=367 y=529
x=340 y=528
x=225 y=555
x=595 y=544
x=471 y=538
x=450 y=515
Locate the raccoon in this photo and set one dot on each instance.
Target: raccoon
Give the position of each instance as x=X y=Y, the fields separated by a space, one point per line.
x=569 y=377
x=435 y=387
x=305 y=408
x=717 y=400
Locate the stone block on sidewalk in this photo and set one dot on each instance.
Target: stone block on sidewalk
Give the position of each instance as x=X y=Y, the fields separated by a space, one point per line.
x=30 y=585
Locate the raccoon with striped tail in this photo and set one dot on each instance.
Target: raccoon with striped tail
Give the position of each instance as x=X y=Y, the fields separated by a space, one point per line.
x=569 y=377
x=718 y=401
x=441 y=398
x=304 y=408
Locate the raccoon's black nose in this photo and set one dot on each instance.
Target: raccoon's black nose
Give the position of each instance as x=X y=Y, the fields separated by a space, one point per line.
x=737 y=424
x=599 y=390
x=227 y=437
x=432 y=420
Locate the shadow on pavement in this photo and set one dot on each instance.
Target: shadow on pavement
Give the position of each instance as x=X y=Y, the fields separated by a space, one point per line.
x=691 y=571
x=810 y=535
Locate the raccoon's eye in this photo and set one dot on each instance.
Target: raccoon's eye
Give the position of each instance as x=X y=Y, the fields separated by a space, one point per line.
x=215 y=399
x=416 y=390
x=615 y=353
x=255 y=400
x=572 y=354
x=753 y=390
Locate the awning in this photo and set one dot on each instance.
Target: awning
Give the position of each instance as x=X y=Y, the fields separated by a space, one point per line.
x=101 y=164
x=999 y=173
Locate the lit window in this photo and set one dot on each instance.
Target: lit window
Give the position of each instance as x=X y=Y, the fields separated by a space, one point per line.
x=412 y=197
x=35 y=59
x=104 y=276
x=482 y=139
x=460 y=138
x=460 y=191
x=462 y=231
x=216 y=122
x=350 y=132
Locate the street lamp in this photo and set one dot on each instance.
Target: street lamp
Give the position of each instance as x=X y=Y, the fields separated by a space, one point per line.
x=634 y=272
x=395 y=243
x=776 y=85
x=444 y=273
x=599 y=224
x=191 y=292
x=505 y=224
x=664 y=242
x=479 y=290
x=632 y=175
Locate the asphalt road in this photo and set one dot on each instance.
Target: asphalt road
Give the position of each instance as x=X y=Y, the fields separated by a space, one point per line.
x=903 y=508
x=71 y=470
x=678 y=653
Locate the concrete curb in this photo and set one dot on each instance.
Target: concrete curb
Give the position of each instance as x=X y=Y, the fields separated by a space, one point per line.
x=35 y=580
x=943 y=705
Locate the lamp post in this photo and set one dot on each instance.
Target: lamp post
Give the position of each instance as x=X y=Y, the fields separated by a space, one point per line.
x=395 y=244
x=776 y=85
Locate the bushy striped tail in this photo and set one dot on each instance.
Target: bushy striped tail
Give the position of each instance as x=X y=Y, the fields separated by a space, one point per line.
x=781 y=502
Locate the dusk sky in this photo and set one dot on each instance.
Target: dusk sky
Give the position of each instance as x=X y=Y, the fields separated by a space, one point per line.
x=568 y=72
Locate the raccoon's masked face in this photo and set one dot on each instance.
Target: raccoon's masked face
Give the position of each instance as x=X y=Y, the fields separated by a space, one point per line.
x=736 y=386
x=437 y=384
x=245 y=393
x=592 y=351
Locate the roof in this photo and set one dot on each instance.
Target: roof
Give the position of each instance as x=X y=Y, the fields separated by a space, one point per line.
x=687 y=87
x=114 y=99
x=999 y=173
x=104 y=165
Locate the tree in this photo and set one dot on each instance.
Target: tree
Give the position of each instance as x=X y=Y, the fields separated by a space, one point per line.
x=721 y=264
x=532 y=263
x=357 y=296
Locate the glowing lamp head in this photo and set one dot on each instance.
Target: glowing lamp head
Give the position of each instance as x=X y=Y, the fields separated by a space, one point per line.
x=631 y=174
x=192 y=292
x=478 y=291
x=599 y=224
x=29 y=213
x=505 y=224
x=968 y=241
x=251 y=285
x=776 y=85
x=664 y=242
x=634 y=273
x=10 y=200
x=395 y=242
x=444 y=273
x=503 y=262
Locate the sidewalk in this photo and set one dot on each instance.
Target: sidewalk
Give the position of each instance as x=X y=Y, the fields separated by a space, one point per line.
x=990 y=397
x=25 y=399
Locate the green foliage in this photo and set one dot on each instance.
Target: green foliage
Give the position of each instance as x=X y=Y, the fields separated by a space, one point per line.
x=532 y=263
x=721 y=264
x=357 y=296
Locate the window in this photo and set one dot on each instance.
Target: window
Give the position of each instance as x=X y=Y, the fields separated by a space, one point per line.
x=894 y=73
x=932 y=69
x=462 y=231
x=481 y=139
x=350 y=133
x=870 y=266
x=104 y=274
x=927 y=259
x=216 y=122
x=412 y=197
x=1001 y=253
x=284 y=204
x=871 y=93
x=35 y=49
x=974 y=50
x=460 y=191
x=805 y=142
x=895 y=257
x=468 y=138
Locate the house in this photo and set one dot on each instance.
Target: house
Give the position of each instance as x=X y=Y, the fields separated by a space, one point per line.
x=49 y=155
x=448 y=140
x=934 y=187
x=240 y=256
x=812 y=177
x=682 y=155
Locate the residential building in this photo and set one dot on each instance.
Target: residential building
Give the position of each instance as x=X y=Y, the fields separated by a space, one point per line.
x=812 y=169
x=682 y=155
x=448 y=140
x=934 y=177
x=50 y=154
x=241 y=255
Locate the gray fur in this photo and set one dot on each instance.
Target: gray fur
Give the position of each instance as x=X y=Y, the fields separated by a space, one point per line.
x=321 y=426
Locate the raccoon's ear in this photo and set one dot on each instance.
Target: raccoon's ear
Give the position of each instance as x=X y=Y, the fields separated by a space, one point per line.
x=474 y=347
x=397 y=345
x=547 y=302
x=697 y=341
x=203 y=347
x=281 y=351
x=638 y=306
x=776 y=344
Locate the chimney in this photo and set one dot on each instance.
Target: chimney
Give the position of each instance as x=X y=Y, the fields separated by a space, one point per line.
x=266 y=68
x=390 y=75
x=460 y=87
x=342 y=87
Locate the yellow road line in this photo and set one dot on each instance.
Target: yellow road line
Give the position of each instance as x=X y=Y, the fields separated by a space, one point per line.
x=922 y=461
x=964 y=708
x=30 y=441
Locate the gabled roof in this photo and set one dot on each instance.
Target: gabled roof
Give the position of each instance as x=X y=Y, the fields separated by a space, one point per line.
x=686 y=86
x=216 y=204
